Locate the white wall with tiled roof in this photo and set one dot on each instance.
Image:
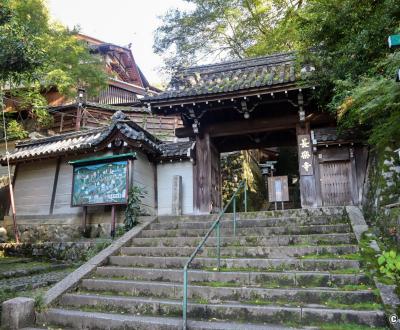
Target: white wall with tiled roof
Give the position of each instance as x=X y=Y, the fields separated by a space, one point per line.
x=165 y=174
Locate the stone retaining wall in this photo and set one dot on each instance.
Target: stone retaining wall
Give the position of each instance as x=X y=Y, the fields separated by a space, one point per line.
x=65 y=251
x=64 y=228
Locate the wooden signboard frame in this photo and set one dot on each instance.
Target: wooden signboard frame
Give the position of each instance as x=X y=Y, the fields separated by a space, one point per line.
x=278 y=195
x=128 y=157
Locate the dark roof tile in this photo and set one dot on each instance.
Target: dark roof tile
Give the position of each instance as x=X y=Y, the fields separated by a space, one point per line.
x=230 y=76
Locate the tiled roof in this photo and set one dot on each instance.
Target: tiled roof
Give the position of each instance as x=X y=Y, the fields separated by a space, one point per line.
x=178 y=149
x=230 y=76
x=331 y=134
x=90 y=140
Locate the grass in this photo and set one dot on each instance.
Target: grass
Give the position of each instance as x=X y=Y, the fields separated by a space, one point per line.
x=349 y=326
x=218 y=284
x=22 y=265
x=356 y=306
x=329 y=304
x=348 y=256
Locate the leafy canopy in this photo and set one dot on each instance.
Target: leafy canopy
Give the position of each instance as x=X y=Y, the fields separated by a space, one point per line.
x=37 y=54
x=226 y=28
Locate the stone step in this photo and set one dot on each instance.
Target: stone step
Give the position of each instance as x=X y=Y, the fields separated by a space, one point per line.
x=249 y=223
x=256 y=231
x=219 y=294
x=242 y=252
x=296 y=279
x=276 y=240
x=233 y=311
x=331 y=212
x=236 y=263
x=107 y=321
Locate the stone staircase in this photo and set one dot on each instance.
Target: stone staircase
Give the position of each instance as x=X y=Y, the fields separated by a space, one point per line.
x=284 y=269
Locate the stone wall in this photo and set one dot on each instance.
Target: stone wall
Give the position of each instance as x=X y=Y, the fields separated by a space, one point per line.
x=64 y=251
x=64 y=228
x=382 y=189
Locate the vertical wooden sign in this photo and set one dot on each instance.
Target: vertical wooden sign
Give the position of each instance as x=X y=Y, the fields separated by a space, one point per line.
x=305 y=154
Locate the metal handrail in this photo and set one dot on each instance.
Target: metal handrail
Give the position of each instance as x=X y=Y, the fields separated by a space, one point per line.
x=216 y=225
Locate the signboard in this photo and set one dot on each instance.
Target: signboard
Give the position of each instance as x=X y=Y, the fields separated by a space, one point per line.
x=278 y=189
x=305 y=154
x=100 y=181
x=104 y=183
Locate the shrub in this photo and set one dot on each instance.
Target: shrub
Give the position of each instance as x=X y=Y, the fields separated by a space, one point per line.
x=133 y=209
x=389 y=264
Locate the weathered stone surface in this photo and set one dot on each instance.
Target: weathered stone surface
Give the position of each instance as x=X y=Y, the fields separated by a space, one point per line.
x=177 y=195
x=285 y=266
x=74 y=278
x=17 y=313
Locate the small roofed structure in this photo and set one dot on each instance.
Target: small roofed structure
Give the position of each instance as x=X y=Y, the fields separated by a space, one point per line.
x=43 y=179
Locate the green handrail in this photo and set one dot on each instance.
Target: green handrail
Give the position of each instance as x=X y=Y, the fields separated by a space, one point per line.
x=216 y=225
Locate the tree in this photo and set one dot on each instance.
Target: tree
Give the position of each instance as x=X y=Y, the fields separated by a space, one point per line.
x=36 y=55
x=354 y=68
x=226 y=29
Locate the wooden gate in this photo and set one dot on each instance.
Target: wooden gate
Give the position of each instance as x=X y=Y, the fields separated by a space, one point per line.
x=336 y=183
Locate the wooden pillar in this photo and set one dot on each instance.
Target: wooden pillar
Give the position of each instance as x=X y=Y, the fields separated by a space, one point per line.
x=206 y=178
x=55 y=183
x=308 y=191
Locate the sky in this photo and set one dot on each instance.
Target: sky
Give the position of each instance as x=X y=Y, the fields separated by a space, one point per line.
x=120 y=22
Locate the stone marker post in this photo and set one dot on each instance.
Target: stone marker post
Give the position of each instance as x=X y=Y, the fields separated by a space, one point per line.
x=177 y=195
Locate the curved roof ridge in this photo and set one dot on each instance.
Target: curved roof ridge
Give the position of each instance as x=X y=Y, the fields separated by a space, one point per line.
x=259 y=60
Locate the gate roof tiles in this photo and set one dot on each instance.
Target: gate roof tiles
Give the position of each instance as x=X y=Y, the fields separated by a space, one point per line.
x=230 y=76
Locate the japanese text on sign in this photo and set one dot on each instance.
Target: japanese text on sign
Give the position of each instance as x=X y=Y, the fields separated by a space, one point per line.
x=305 y=154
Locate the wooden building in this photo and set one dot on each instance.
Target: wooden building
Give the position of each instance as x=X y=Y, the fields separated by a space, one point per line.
x=257 y=103
x=43 y=175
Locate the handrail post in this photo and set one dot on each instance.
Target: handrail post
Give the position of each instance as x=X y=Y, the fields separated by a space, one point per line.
x=184 y=304
x=234 y=216
x=245 y=195
x=219 y=245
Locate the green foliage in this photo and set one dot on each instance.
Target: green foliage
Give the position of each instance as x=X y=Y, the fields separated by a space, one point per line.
x=354 y=70
x=236 y=167
x=36 y=55
x=226 y=28
x=94 y=250
x=15 y=130
x=133 y=209
x=389 y=262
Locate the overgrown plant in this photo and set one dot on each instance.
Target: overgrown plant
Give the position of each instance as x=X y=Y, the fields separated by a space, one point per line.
x=389 y=265
x=133 y=208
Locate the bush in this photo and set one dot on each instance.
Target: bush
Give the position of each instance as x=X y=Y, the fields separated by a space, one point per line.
x=133 y=209
x=389 y=265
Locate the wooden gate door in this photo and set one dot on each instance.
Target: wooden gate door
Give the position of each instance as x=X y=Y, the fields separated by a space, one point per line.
x=336 y=183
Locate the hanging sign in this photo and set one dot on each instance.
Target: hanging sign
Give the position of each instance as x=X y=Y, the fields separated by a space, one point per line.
x=278 y=189
x=305 y=154
x=100 y=181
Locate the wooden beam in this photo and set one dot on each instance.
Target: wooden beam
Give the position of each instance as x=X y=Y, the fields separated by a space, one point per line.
x=252 y=126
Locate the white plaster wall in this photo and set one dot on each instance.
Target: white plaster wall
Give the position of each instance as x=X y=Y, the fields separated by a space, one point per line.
x=33 y=187
x=165 y=173
x=144 y=177
x=62 y=202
